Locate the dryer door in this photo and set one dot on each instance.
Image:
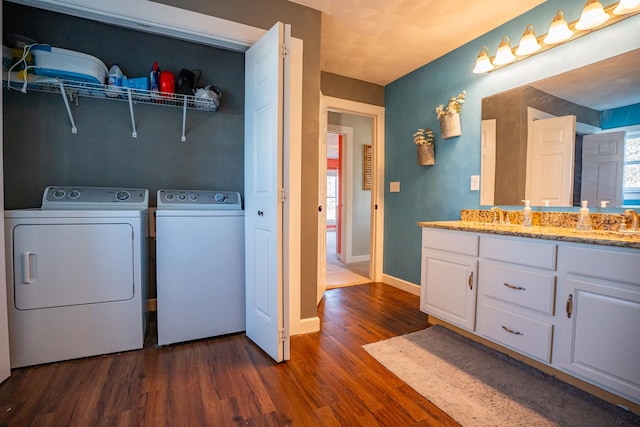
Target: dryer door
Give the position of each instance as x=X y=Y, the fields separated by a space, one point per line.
x=58 y=265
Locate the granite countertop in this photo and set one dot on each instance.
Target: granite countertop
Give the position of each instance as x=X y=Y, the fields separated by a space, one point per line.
x=566 y=234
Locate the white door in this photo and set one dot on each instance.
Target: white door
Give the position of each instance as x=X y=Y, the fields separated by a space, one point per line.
x=488 y=162
x=551 y=174
x=264 y=127
x=602 y=168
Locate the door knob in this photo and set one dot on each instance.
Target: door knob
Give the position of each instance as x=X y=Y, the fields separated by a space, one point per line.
x=319 y=208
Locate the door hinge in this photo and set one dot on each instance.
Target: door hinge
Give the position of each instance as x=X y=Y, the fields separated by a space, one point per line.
x=283 y=335
x=284 y=50
x=281 y=195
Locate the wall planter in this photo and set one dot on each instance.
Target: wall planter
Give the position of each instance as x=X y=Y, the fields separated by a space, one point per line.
x=450 y=125
x=426 y=155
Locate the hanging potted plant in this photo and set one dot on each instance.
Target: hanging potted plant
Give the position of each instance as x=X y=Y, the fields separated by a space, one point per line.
x=424 y=142
x=449 y=118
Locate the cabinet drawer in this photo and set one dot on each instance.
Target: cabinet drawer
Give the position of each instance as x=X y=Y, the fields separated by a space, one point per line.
x=518 y=286
x=523 y=334
x=451 y=241
x=605 y=264
x=522 y=251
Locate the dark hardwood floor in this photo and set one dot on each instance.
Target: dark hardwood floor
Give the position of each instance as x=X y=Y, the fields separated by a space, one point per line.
x=227 y=381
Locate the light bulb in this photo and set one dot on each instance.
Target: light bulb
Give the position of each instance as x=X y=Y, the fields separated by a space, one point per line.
x=593 y=15
x=559 y=30
x=504 y=55
x=483 y=63
x=528 y=43
x=626 y=6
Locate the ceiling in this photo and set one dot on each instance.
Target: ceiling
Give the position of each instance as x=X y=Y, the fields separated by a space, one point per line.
x=602 y=85
x=379 y=41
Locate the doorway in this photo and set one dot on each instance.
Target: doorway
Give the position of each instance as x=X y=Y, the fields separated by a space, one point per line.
x=347 y=203
x=374 y=116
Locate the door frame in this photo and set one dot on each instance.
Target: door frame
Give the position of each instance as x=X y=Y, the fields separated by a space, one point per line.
x=376 y=244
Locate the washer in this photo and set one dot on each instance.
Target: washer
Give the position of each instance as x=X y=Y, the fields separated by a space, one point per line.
x=76 y=274
x=199 y=264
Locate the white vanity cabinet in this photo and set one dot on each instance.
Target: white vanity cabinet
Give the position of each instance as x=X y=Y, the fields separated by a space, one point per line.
x=449 y=276
x=598 y=336
x=516 y=294
x=574 y=307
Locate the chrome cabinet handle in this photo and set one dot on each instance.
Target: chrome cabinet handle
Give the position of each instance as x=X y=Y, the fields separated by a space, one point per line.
x=471 y=281
x=569 y=307
x=511 y=331
x=260 y=213
x=517 y=288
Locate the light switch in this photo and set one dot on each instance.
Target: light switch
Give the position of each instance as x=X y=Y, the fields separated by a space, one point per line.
x=394 y=187
x=475 y=182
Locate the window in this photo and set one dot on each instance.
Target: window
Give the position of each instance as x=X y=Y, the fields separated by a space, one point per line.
x=332 y=196
x=632 y=171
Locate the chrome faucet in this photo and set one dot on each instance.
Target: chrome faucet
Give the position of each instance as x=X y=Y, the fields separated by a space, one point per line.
x=635 y=219
x=496 y=215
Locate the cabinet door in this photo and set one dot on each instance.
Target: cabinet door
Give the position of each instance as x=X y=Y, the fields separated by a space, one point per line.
x=448 y=288
x=598 y=334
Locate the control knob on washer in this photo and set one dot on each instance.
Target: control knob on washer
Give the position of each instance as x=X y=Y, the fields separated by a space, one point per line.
x=220 y=198
x=123 y=195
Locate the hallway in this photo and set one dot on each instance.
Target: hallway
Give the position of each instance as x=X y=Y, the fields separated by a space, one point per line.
x=339 y=274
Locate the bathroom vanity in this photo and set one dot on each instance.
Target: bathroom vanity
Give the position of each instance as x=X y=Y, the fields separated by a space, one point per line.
x=556 y=298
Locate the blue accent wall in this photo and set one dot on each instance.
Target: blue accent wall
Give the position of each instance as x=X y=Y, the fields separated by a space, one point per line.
x=435 y=193
x=622 y=116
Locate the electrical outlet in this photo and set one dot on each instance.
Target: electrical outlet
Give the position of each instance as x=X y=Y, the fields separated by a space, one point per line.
x=475 y=182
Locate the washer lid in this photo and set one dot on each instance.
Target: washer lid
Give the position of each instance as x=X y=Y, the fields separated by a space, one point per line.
x=199 y=200
x=77 y=198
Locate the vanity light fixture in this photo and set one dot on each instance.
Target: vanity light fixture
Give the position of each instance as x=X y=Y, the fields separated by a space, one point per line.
x=559 y=33
x=504 y=55
x=483 y=63
x=559 y=30
x=626 y=6
x=593 y=15
x=528 y=43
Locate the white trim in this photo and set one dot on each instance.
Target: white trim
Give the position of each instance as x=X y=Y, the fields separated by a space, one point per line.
x=377 y=192
x=359 y=258
x=308 y=325
x=292 y=182
x=152 y=17
x=403 y=285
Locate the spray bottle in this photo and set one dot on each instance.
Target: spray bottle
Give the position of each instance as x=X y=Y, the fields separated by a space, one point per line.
x=154 y=79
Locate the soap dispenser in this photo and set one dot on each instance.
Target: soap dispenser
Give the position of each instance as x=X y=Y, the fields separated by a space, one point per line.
x=527 y=217
x=584 y=221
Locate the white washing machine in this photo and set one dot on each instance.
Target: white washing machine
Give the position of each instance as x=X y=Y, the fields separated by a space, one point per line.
x=76 y=273
x=199 y=264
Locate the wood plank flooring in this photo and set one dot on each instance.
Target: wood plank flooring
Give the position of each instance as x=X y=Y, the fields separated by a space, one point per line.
x=228 y=381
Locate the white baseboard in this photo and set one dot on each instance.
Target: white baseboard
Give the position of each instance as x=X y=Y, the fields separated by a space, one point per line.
x=357 y=258
x=306 y=326
x=401 y=284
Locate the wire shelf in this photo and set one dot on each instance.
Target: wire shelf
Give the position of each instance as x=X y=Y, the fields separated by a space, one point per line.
x=72 y=90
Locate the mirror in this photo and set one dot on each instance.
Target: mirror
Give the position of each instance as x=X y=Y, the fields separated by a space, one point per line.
x=603 y=96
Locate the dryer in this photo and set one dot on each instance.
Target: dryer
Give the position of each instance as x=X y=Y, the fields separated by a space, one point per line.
x=76 y=274
x=199 y=264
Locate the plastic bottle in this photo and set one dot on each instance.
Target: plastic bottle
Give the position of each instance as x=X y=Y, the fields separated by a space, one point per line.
x=527 y=220
x=584 y=220
x=114 y=81
x=154 y=79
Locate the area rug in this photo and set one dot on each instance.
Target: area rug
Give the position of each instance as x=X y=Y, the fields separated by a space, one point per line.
x=478 y=386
